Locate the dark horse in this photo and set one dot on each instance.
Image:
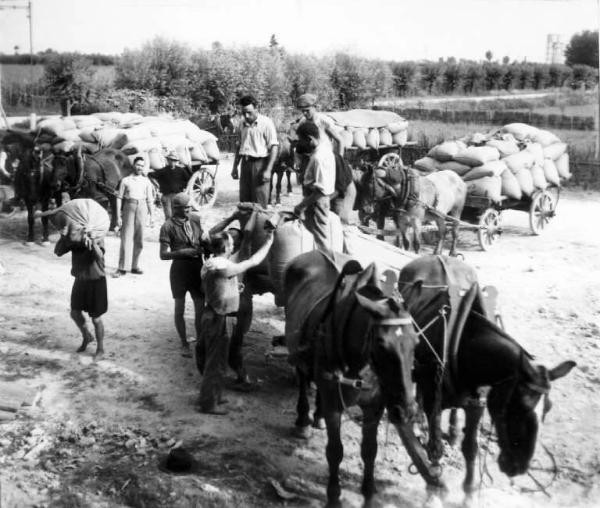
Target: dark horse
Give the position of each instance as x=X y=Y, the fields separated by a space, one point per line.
x=357 y=345
x=34 y=181
x=409 y=199
x=463 y=358
x=282 y=167
x=94 y=176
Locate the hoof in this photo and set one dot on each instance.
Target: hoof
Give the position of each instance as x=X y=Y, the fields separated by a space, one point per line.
x=29 y=243
x=46 y=243
x=319 y=423
x=302 y=432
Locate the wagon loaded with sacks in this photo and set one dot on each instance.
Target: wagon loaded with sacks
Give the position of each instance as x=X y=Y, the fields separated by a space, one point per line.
x=151 y=138
x=371 y=137
x=518 y=167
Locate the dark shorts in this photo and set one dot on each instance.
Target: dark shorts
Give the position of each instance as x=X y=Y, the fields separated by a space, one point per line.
x=184 y=277
x=90 y=296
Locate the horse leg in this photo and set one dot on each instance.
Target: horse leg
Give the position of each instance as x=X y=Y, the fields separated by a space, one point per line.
x=473 y=414
x=453 y=427
x=278 y=187
x=334 y=450
x=288 y=173
x=112 y=203
x=441 y=225
x=368 y=448
x=416 y=225
x=30 y=222
x=45 y=240
x=455 y=227
x=241 y=327
x=318 y=419
x=302 y=425
x=380 y=223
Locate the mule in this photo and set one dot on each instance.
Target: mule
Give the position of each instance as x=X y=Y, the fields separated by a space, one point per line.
x=357 y=344
x=33 y=180
x=463 y=360
x=411 y=199
x=94 y=176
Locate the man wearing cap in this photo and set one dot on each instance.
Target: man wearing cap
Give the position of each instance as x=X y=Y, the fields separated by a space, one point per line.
x=318 y=185
x=171 y=179
x=307 y=104
x=134 y=201
x=180 y=238
x=257 y=153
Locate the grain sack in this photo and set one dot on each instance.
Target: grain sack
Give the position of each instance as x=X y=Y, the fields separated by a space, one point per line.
x=555 y=150
x=171 y=142
x=562 y=166
x=518 y=161
x=195 y=133
x=141 y=145
x=457 y=167
x=400 y=138
x=539 y=180
x=56 y=125
x=127 y=136
x=68 y=135
x=87 y=134
x=545 y=138
x=385 y=137
x=426 y=165
x=359 y=139
x=537 y=151
x=81 y=217
x=397 y=127
x=551 y=172
x=347 y=138
x=85 y=147
x=197 y=153
x=505 y=147
x=477 y=155
x=446 y=151
x=110 y=116
x=373 y=138
x=525 y=180
x=84 y=121
x=289 y=240
x=63 y=146
x=520 y=131
x=106 y=136
x=130 y=119
x=492 y=168
x=160 y=128
x=184 y=154
x=510 y=185
x=212 y=149
x=156 y=159
x=489 y=186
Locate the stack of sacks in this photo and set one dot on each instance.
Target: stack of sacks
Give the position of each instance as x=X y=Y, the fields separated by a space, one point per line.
x=150 y=137
x=514 y=162
x=362 y=137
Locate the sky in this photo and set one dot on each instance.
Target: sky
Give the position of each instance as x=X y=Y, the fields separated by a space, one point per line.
x=385 y=29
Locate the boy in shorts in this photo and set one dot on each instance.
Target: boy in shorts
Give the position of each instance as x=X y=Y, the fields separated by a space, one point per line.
x=89 y=292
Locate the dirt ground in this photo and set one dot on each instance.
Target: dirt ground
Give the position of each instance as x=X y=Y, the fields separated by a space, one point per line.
x=98 y=431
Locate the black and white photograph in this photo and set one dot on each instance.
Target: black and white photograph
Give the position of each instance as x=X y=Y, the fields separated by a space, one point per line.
x=299 y=253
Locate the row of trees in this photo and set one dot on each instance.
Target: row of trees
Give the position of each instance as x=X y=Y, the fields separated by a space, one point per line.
x=167 y=75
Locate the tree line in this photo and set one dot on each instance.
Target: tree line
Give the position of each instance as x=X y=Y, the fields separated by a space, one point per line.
x=164 y=75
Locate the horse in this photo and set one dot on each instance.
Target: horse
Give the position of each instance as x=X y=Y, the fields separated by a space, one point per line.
x=95 y=176
x=284 y=165
x=410 y=199
x=33 y=179
x=357 y=345
x=464 y=359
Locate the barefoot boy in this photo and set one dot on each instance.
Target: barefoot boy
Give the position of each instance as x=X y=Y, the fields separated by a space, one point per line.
x=89 y=288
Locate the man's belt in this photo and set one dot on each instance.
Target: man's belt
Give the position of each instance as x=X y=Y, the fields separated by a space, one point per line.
x=252 y=158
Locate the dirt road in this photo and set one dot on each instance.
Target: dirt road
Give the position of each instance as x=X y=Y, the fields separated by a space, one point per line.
x=98 y=430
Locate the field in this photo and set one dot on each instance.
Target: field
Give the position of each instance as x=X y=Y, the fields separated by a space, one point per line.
x=99 y=431
x=13 y=74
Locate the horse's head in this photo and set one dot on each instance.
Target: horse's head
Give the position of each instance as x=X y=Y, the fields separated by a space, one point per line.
x=392 y=350
x=517 y=406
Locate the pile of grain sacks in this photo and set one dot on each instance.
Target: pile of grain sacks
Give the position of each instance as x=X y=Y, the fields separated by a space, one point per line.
x=149 y=137
x=362 y=137
x=514 y=161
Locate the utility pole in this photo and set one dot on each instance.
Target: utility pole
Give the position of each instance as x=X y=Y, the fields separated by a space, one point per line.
x=22 y=5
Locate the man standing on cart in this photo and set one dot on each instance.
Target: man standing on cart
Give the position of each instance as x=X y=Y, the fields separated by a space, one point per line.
x=257 y=153
x=171 y=180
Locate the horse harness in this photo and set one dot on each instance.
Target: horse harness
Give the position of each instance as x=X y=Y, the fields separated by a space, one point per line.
x=405 y=195
x=84 y=180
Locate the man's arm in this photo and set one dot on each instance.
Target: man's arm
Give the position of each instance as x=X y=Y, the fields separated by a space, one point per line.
x=221 y=225
x=120 y=203
x=149 y=200
x=166 y=254
x=335 y=135
x=254 y=260
x=236 y=160
x=307 y=201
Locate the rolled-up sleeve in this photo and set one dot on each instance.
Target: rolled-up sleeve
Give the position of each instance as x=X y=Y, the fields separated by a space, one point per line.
x=270 y=134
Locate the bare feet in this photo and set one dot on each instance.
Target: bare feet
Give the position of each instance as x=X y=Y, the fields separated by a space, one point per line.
x=186 y=351
x=99 y=355
x=87 y=339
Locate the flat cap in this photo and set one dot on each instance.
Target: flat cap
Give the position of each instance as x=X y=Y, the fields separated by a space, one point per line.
x=306 y=100
x=181 y=199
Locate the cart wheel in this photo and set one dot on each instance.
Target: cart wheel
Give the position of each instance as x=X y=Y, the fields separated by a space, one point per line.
x=489 y=228
x=202 y=189
x=542 y=209
x=389 y=161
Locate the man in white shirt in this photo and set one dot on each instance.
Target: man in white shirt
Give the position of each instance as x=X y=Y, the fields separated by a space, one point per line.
x=257 y=153
x=133 y=202
x=318 y=185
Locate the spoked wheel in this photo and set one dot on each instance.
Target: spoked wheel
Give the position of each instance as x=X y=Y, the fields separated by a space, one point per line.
x=489 y=228
x=389 y=161
x=202 y=188
x=542 y=209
